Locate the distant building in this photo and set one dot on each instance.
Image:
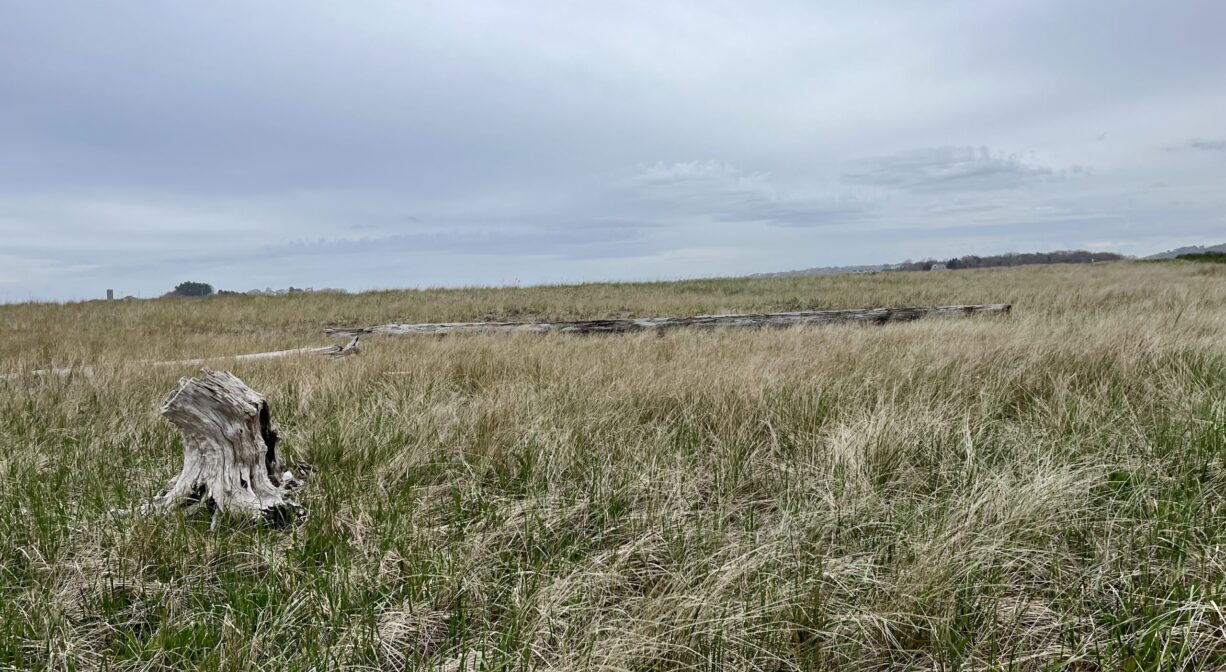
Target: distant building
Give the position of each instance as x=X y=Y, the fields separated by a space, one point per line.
x=939 y=267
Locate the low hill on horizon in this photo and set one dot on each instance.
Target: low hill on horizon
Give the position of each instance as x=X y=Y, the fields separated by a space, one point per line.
x=963 y=262
x=1192 y=249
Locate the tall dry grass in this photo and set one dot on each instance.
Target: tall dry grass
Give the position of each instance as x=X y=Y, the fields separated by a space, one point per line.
x=1039 y=492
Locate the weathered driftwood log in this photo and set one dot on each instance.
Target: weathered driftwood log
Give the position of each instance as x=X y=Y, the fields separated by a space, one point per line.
x=870 y=316
x=230 y=461
x=350 y=348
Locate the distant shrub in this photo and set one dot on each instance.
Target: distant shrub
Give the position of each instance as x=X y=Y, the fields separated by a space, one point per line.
x=1205 y=257
x=191 y=289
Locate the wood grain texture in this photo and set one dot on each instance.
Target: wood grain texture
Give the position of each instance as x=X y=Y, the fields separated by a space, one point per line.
x=230 y=461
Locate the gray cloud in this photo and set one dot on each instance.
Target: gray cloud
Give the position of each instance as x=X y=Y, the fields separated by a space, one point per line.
x=479 y=142
x=1206 y=145
x=952 y=169
x=603 y=238
x=727 y=193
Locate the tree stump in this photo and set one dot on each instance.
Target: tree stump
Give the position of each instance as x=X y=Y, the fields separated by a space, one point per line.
x=230 y=461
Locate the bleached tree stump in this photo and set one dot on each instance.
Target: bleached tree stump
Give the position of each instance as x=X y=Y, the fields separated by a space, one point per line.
x=230 y=461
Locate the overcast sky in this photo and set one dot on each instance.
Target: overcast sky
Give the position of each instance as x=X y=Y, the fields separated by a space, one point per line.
x=372 y=145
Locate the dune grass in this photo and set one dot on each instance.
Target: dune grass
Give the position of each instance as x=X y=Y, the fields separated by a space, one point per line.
x=1041 y=492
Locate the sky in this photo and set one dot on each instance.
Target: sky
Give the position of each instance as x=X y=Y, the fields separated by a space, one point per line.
x=410 y=144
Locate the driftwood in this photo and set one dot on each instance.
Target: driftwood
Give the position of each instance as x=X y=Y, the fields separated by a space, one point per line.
x=807 y=317
x=349 y=348
x=230 y=460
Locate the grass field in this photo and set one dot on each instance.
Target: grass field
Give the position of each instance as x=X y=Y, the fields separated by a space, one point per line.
x=1041 y=492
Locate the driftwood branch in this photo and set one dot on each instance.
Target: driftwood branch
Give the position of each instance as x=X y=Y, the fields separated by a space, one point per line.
x=230 y=460
x=349 y=348
x=760 y=320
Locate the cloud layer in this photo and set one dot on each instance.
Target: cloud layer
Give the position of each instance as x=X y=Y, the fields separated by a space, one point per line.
x=952 y=169
x=407 y=144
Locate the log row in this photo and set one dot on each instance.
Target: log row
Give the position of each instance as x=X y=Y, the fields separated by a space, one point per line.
x=752 y=321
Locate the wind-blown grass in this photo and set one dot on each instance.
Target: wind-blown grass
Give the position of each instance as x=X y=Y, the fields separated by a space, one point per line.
x=1045 y=491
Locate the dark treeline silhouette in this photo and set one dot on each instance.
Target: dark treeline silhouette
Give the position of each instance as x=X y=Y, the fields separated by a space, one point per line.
x=1205 y=257
x=198 y=289
x=1002 y=260
x=191 y=289
x=201 y=289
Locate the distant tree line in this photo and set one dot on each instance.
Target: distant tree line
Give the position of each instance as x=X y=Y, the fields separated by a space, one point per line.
x=200 y=289
x=1208 y=257
x=195 y=289
x=191 y=289
x=1004 y=260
